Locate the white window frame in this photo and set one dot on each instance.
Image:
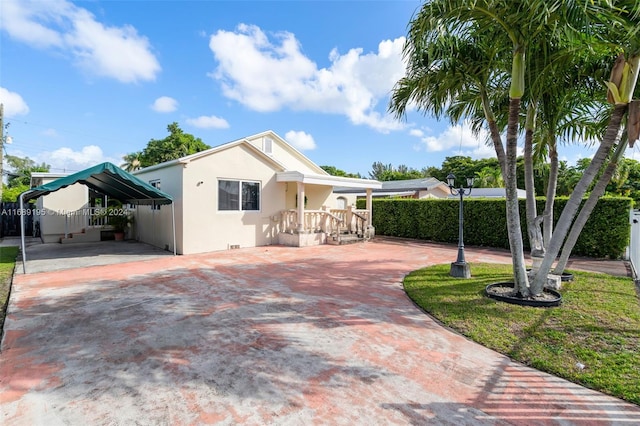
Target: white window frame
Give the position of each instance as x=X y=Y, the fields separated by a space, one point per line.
x=240 y=182
x=156 y=183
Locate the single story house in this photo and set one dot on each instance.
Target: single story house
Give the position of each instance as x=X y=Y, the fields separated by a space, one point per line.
x=254 y=191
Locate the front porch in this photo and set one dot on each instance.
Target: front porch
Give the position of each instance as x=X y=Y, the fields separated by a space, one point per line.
x=325 y=226
x=301 y=227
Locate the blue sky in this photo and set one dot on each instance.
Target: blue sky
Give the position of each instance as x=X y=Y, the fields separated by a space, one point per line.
x=89 y=81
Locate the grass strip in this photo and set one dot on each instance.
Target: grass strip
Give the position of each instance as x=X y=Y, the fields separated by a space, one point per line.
x=597 y=326
x=7 y=265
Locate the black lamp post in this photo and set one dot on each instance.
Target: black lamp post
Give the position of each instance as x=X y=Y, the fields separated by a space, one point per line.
x=460 y=268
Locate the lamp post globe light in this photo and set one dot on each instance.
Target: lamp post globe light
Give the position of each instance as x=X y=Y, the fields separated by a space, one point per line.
x=460 y=268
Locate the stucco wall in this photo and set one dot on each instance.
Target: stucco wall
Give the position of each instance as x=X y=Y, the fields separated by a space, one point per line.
x=64 y=205
x=317 y=196
x=153 y=226
x=286 y=156
x=208 y=229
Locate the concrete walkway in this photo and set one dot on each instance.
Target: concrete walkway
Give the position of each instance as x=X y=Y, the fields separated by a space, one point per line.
x=270 y=335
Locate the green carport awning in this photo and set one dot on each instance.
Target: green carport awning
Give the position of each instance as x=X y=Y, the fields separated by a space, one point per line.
x=109 y=179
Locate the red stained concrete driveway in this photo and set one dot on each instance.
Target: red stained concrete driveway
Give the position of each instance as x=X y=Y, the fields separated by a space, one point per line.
x=270 y=335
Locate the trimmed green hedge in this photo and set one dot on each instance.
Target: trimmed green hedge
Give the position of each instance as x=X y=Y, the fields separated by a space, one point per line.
x=606 y=234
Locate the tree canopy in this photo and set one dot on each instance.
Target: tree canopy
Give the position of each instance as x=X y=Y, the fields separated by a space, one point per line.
x=19 y=176
x=178 y=144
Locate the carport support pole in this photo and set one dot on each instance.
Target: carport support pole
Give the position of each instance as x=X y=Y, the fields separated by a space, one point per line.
x=173 y=223
x=24 y=257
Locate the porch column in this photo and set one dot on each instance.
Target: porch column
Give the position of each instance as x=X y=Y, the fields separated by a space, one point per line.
x=300 y=186
x=369 y=205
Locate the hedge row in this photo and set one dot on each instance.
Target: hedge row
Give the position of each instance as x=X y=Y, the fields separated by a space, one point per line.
x=606 y=234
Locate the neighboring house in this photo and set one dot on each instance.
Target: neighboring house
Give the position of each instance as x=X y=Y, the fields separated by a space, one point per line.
x=254 y=191
x=54 y=210
x=410 y=188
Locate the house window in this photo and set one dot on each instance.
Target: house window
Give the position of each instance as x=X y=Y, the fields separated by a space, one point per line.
x=238 y=195
x=156 y=185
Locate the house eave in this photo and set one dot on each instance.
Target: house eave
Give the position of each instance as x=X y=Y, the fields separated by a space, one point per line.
x=327 y=180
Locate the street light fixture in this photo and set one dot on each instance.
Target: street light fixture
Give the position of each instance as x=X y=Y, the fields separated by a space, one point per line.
x=460 y=268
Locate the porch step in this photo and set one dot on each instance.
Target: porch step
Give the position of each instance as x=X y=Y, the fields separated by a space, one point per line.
x=88 y=235
x=344 y=239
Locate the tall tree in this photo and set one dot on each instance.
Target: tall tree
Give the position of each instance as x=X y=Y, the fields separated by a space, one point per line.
x=19 y=176
x=479 y=36
x=589 y=205
x=178 y=144
x=621 y=85
x=378 y=169
x=21 y=169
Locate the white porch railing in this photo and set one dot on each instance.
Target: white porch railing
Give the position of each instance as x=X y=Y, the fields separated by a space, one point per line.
x=330 y=221
x=77 y=220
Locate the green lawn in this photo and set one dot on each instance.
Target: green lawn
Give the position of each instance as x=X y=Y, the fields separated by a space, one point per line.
x=7 y=263
x=597 y=325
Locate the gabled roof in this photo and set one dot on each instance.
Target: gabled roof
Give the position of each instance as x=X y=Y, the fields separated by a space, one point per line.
x=108 y=179
x=246 y=141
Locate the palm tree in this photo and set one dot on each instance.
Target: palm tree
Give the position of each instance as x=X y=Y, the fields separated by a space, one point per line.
x=587 y=208
x=449 y=33
x=132 y=162
x=621 y=86
x=453 y=49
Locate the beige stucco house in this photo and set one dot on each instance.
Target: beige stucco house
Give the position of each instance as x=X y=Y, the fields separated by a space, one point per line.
x=239 y=194
x=254 y=191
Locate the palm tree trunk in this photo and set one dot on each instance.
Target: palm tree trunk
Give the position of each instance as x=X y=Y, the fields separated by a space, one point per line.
x=533 y=226
x=494 y=131
x=573 y=204
x=514 y=229
x=585 y=212
x=551 y=192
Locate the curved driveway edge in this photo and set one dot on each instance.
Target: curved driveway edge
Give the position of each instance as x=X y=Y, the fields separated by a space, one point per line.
x=268 y=335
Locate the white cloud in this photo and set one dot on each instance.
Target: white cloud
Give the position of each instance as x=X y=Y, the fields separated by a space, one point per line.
x=13 y=103
x=457 y=138
x=272 y=74
x=164 y=104
x=300 y=140
x=113 y=52
x=208 y=122
x=52 y=133
x=66 y=159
